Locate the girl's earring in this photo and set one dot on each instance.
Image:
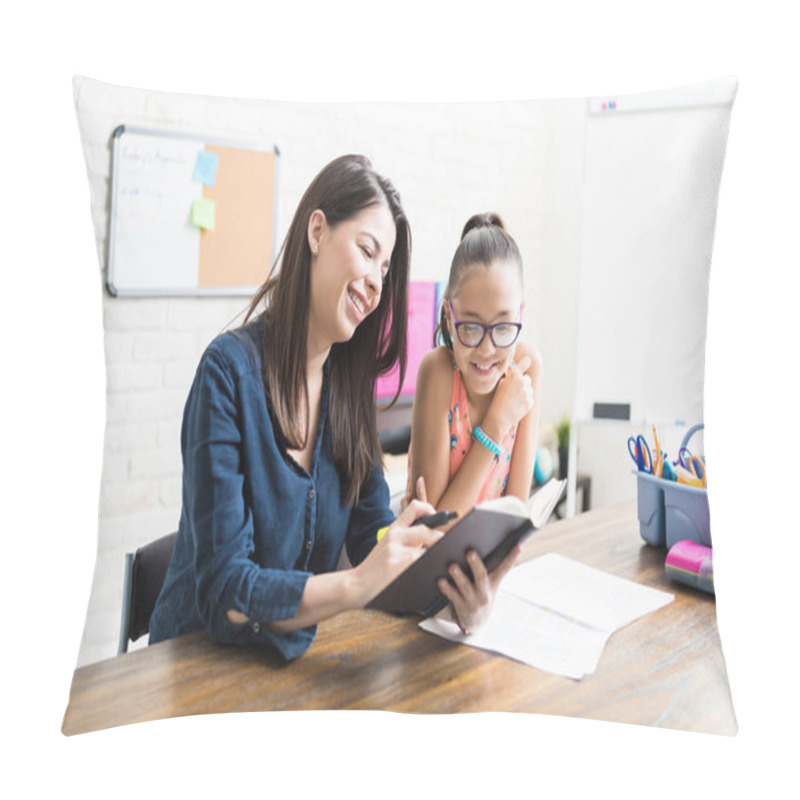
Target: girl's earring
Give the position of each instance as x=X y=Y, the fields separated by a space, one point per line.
x=314 y=249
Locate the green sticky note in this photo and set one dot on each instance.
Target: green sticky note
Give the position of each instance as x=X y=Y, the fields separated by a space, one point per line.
x=203 y=212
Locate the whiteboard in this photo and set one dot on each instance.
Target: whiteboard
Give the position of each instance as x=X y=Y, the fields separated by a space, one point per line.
x=652 y=171
x=653 y=165
x=156 y=246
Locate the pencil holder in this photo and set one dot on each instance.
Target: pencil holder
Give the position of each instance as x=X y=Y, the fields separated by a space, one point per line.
x=686 y=514
x=650 y=502
x=671 y=512
x=686 y=508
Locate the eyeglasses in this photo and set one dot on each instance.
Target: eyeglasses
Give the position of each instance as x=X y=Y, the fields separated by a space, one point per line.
x=471 y=334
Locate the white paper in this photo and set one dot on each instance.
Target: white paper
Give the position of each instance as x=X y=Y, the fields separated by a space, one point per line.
x=583 y=593
x=557 y=614
x=532 y=635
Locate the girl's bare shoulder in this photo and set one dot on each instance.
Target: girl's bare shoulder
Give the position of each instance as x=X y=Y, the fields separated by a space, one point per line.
x=435 y=375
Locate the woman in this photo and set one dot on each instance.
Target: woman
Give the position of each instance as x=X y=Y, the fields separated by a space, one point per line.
x=281 y=460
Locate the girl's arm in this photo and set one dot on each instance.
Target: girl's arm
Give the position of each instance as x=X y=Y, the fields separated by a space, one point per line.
x=430 y=429
x=523 y=458
x=463 y=491
x=430 y=440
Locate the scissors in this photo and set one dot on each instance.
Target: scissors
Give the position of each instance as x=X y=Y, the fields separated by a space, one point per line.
x=693 y=464
x=640 y=453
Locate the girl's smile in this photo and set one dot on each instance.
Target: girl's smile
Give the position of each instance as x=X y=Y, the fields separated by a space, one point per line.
x=487 y=296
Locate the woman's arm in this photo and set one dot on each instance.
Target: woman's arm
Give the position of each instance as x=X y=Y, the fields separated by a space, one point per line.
x=328 y=594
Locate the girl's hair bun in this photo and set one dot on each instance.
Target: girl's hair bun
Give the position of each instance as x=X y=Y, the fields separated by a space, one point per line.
x=485 y=220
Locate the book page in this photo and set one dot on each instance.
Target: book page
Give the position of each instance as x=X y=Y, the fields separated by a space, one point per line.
x=507 y=505
x=538 y=508
x=541 y=505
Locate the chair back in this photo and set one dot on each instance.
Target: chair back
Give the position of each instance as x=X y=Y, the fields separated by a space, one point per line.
x=145 y=571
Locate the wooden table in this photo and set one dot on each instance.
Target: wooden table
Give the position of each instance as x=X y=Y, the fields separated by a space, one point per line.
x=665 y=669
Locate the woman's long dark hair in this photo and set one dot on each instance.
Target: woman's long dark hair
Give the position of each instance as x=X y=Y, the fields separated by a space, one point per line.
x=341 y=190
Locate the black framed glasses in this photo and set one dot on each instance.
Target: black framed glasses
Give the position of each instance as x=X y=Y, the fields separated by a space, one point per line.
x=471 y=334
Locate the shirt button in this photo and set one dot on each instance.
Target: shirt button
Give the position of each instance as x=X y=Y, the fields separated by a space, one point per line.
x=256 y=627
x=311 y=494
x=308 y=545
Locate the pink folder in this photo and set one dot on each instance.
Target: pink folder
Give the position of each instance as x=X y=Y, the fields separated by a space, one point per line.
x=421 y=325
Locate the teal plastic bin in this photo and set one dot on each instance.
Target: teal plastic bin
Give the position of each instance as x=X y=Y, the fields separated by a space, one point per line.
x=672 y=512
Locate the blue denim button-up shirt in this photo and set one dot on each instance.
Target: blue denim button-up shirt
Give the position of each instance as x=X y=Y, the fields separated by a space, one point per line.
x=254 y=524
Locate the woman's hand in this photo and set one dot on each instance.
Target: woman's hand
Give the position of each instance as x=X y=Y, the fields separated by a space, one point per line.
x=513 y=399
x=399 y=547
x=329 y=593
x=471 y=600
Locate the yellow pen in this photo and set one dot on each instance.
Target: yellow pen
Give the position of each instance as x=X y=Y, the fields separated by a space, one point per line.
x=432 y=521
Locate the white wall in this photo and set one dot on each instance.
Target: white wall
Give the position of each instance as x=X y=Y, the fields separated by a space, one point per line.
x=561 y=252
x=447 y=160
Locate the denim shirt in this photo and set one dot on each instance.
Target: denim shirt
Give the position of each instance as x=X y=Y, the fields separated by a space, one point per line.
x=254 y=524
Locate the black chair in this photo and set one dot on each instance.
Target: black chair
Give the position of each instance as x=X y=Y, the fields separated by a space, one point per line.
x=395 y=440
x=145 y=571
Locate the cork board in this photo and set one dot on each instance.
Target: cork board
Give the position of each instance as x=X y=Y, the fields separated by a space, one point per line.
x=188 y=215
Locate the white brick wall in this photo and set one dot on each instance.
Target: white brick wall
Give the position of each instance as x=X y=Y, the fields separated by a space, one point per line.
x=447 y=160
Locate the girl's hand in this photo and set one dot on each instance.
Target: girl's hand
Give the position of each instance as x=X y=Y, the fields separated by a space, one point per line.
x=400 y=547
x=513 y=399
x=471 y=600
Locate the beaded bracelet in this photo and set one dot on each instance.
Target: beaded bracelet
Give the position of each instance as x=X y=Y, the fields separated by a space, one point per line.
x=488 y=443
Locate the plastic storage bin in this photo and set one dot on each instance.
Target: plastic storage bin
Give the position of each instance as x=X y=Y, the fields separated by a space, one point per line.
x=686 y=514
x=671 y=512
x=650 y=501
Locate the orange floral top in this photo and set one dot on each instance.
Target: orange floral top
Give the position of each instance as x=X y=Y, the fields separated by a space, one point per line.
x=461 y=439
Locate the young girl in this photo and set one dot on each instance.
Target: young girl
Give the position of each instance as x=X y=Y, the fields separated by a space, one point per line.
x=281 y=460
x=476 y=407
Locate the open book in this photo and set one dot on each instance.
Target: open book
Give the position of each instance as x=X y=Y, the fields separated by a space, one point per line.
x=492 y=529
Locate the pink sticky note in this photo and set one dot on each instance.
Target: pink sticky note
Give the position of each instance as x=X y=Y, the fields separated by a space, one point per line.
x=421 y=310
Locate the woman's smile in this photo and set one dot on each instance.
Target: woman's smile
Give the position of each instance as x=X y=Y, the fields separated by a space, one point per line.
x=347 y=272
x=359 y=304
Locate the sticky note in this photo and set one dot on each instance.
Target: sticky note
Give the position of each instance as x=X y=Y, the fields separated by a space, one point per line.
x=203 y=213
x=205 y=168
